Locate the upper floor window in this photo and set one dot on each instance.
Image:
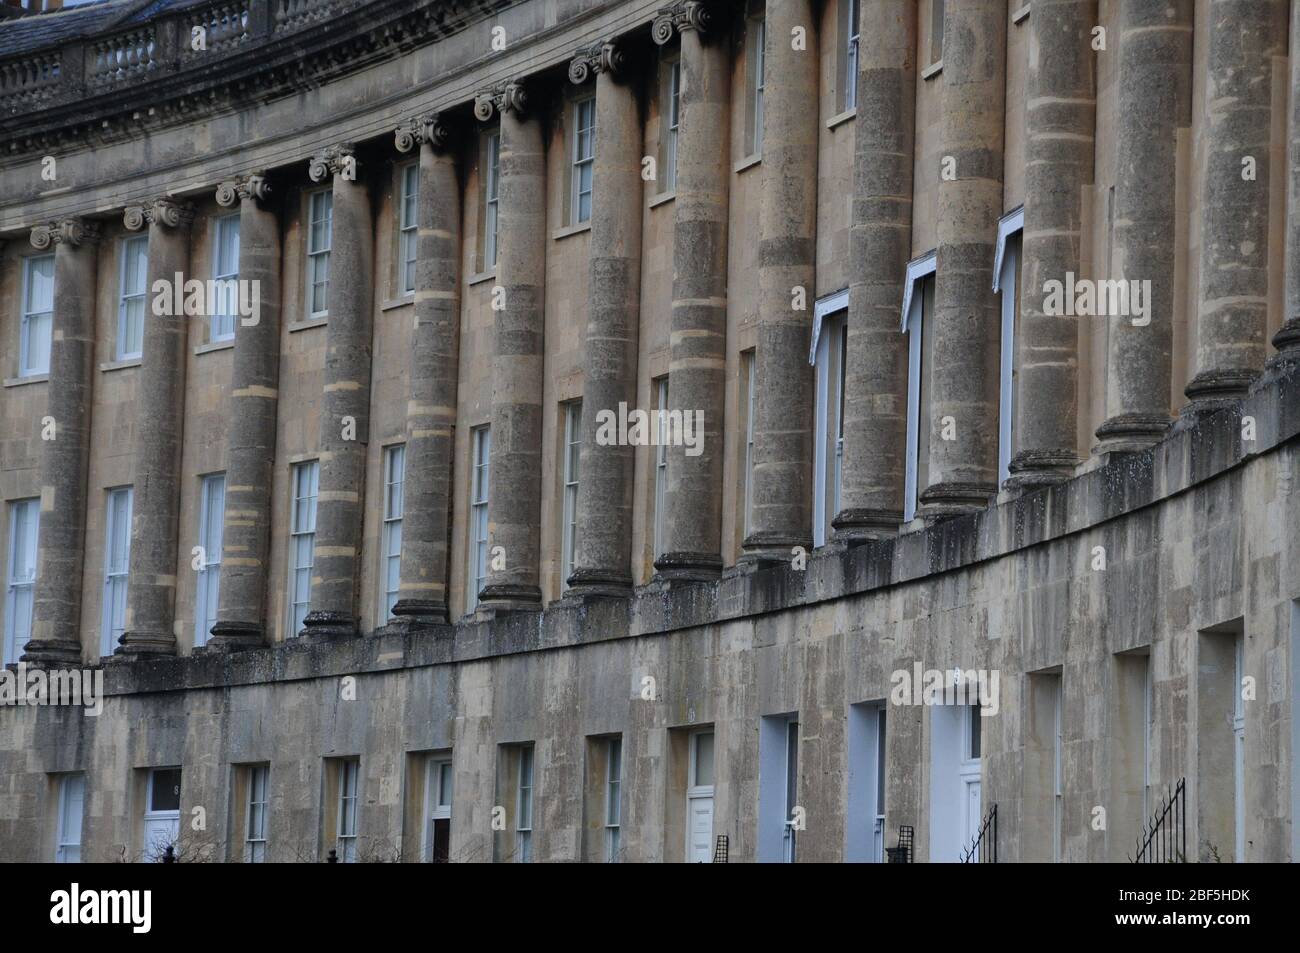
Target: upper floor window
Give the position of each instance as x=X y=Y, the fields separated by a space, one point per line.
x=24 y=522
x=390 y=571
x=584 y=155
x=320 y=228
x=936 y=32
x=117 y=563
x=830 y=346
x=661 y=466
x=572 y=449
x=747 y=368
x=672 y=115
x=212 y=514
x=1006 y=280
x=225 y=272
x=407 y=226
x=491 y=203
x=302 y=541
x=850 y=28
x=476 y=571
x=918 y=315
x=757 y=56
x=133 y=284
x=38 y=316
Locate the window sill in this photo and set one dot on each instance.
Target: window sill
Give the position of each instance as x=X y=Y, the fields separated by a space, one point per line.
x=842 y=118
x=481 y=277
x=214 y=346
x=26 y=379
x=570 y=230
x=1020 y=14
x=398 y=302
x=663 y=198
x=308 y=324
x=119 y=365
x=747 y=162
x=933 y=70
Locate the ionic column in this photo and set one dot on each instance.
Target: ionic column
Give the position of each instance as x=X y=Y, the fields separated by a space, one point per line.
x=697 y=356
x=1060 y=124
x=65 y=460
x=964 y=363
x=345 y=409
x=880 y=236
x=431 y=407
x=514 y=479
x=1154 y=101
x=603 y=551
x=1287 y=339
x=159 y=426
x=1232 y=313
x=781 y=514
x=251 y=438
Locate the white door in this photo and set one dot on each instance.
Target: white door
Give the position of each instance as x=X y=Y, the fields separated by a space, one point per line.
x=159 y=832
x=973 y=816
x=699 y=838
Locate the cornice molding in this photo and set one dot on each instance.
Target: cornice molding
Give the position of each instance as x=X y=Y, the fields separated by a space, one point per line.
x=69 y=231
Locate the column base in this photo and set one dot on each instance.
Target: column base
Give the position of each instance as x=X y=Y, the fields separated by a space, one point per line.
x=145 y=645
x=862 y=524
x=1211 y=391
x=507 y=597
x=231 y=636
x=52 y=653
x=768 y=549
x=1033 y=469
x=422 y=611
x=1130 y=433
x=688 y=567
x=328 y=624
x=952 y=498
x=598 y=584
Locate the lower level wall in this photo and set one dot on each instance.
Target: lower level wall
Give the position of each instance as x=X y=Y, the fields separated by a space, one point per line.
x=1165 y=588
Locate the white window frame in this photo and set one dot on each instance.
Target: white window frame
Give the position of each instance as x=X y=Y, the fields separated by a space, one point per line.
x=20 y=575
x=1006 y=261
x=437 y=799
x=791 y=787
x=491 y=200
x=72 y=806
x=304 y=487
x=749 y=366
x=408 y=222
x=170 y=816
x=852 y=29
x=694 y=789
x=256 y=810
x=826 y=355
x=479 y=486
x=757 y=79
x=207 y=592
x=390 y=555
x=117 y=520
x=918 y=269
x=865 y=805
x=221 y=326
x=613 y=798
x=33 y=316
x=133 y=246
x=524 y=805
x=318 y=255
x=349 y=783
x=673 y=125
x=571 y=470
x=661 y=465
x=584 y=161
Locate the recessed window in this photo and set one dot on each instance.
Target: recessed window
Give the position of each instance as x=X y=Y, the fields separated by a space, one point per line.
x=661 y=465
x=491 y=203
x=348 y=782
x=699 y=796
x=849 y=30
x=302 y=541
x=524 y=807
x=408 y=222
x=24 y=524
x=437 y=810
x=613 y=799
x=72 y=808
x=476 y=572
x=918 y=324
x=38 y=316
x=672 y=115
x=747 y=388
x=162 y=814
x=936 y=31
x=831 y=322
x=320 y=228
x=391 y=555
x=212 y=514
x=225 y=272
x=1007 y=283
x=757 y=54
x=117 y=563
x=584 y=155
x=259 y=777
x=133 y=285
x=572 y=450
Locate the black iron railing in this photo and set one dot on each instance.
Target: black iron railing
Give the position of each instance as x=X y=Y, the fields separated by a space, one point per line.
x=1164 y=837
x=902 y=854
x=720 y=850
x=983 y=847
